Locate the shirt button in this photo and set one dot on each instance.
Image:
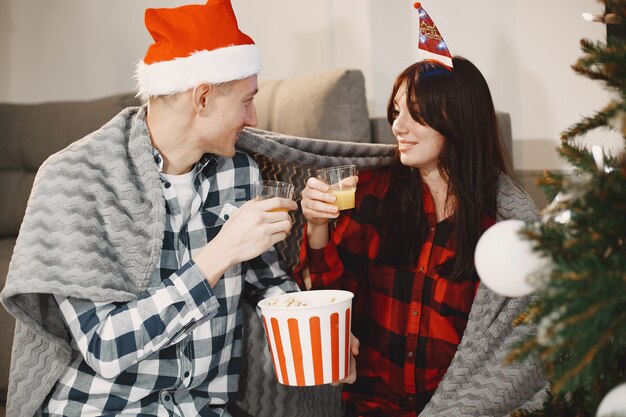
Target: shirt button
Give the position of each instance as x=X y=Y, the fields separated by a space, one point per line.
x=421 y=269
x=414 y=313
x=411 y=399
x=226 y=216
x=432 y=229
x=167 y=185
x=167 y=398
x=410 y=354
x=186 y=374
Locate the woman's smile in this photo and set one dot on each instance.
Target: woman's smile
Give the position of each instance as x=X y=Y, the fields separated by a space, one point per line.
x=404 y=145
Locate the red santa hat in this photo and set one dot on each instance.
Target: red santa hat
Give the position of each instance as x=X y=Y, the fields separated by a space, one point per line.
x=194 y=44
x=431 y=44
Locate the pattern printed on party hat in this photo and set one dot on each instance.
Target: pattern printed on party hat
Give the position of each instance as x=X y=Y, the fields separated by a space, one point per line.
x=431 y=44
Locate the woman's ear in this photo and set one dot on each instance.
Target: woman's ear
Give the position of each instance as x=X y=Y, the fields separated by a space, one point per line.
x=200 y=96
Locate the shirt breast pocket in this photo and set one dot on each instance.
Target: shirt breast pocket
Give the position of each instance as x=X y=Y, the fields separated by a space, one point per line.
x=216 y=216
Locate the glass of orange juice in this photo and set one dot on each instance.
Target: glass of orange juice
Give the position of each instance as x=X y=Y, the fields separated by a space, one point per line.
x=342 y=181
x=265 y=189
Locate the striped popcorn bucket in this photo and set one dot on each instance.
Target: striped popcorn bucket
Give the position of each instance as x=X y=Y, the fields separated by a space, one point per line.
x=308 y=334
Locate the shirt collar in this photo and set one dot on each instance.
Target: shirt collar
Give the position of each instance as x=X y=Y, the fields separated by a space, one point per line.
x=158 y=159
x=200 y=165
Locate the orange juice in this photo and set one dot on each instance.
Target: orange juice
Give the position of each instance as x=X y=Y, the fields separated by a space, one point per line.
x=273 y=210
x=345 y=198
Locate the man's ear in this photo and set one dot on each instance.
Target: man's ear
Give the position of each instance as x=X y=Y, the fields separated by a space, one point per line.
x=201 y=96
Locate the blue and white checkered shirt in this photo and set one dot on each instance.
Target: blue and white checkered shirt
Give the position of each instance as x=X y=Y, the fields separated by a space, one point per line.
x=176 y=350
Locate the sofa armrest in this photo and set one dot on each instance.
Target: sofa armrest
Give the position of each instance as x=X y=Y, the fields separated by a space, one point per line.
x=506 y=133
x=7 y=323
x=330 y=105
x=381 y=131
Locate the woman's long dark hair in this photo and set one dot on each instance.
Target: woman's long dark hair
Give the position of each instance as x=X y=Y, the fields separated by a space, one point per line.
x=458 y=105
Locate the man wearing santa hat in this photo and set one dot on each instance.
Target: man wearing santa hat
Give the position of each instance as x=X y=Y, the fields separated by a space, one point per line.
x=140 y=239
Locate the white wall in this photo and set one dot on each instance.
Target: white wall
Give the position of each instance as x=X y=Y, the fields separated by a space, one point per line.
x=82 y=49
x=525 y=49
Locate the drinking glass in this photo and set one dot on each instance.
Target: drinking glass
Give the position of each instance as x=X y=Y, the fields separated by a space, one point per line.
x=265 y=189
x=342 y=181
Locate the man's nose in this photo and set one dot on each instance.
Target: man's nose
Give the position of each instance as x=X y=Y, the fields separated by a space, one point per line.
x=251 y=120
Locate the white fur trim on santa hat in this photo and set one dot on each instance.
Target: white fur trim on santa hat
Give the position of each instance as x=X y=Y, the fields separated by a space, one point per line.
x=424 y=55
x=181 y=74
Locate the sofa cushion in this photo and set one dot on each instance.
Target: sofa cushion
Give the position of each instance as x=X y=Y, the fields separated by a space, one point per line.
x=330 y=105
x=29 y=133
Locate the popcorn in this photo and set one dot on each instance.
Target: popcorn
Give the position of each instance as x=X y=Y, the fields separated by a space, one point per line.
x=290 y=302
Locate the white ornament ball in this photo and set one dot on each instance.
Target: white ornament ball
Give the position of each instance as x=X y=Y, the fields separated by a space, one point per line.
x=614 y=403
x=504 y=259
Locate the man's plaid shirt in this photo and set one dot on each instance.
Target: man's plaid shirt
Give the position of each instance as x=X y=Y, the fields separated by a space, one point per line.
x=176 y=350
x=409 y=321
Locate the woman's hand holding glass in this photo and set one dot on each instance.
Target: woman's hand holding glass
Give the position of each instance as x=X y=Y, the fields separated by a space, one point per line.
x=318 y=203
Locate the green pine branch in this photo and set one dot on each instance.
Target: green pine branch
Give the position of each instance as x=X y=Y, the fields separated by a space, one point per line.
x=602 y=62
x=601 y=119
x=560 y=406
x=581 y=311
x=580 y=314
x=550 y=183
x=578 y=156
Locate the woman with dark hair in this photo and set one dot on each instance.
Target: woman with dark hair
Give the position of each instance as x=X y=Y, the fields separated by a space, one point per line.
x=407 y=252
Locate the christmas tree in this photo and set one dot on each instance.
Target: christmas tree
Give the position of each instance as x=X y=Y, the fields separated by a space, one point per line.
x=580 y=313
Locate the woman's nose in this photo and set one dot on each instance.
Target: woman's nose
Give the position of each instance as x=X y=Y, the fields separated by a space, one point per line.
x=398 y=127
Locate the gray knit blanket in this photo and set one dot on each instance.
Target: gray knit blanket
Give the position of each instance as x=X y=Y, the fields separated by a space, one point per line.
x=477 y=382
x=93 y=229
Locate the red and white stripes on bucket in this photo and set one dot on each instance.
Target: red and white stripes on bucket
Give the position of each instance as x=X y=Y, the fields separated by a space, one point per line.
x=309 y=339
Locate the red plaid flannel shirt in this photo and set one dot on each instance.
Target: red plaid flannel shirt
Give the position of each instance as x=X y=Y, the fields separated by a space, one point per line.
x=409 y=321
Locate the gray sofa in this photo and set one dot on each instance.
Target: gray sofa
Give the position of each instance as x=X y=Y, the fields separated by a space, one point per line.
x=330 y=105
